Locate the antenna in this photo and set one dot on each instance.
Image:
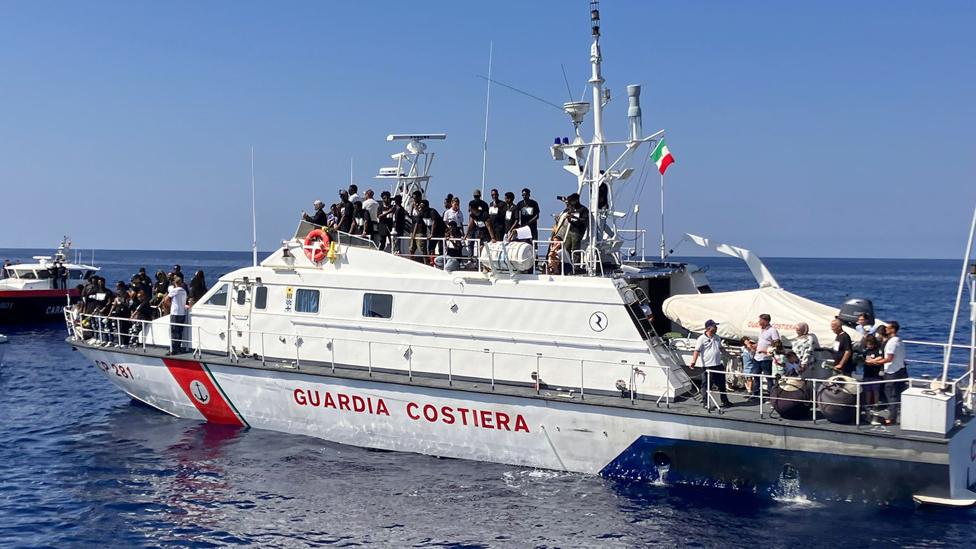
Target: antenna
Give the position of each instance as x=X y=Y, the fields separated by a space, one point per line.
x=525 y=93
x=484 y=155
x=351 y=160
x=254 y=217
x=569 y=91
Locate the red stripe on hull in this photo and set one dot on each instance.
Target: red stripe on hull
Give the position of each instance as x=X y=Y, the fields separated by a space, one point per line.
x=197 y=385
x=6 y=294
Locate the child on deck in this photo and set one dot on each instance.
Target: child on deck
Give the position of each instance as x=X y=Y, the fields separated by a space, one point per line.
x=792 y=367
x=779 y=358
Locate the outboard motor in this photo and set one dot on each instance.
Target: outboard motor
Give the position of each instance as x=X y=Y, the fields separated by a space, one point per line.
x=837 y=399
x=791 y=398
x=855 y=307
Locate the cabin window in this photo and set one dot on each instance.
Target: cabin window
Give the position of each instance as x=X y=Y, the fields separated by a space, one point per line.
x=377 y=305
x=26 y=275
x=219 y=298
x=241 y=296
x=306 y=301
x=261 y=297
x=76 y=275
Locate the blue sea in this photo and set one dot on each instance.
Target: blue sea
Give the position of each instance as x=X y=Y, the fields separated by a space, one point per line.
x=81 y=465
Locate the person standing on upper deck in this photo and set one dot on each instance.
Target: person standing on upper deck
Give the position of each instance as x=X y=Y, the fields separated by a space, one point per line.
x=176 y=298
x=453 y=212
x=354 y=194
x=372 y=206
x=478 y=223
x=843 y=349
x=496 y=215
x=709 y=348
x=511 y=212
x=528 y=210
x=345 y=212
x=764 y=362
x=577 y=222
x=318 y=217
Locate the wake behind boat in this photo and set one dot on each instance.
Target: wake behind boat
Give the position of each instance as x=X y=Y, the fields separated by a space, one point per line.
x=509 y=357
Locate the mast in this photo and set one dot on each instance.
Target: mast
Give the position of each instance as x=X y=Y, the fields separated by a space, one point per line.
x=254 y=217
x=595 y=165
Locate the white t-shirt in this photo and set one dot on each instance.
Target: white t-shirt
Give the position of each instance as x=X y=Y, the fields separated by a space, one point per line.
x=455 y=216
x=177 y=296
x=354 y=197
x=894 y=346
x=766 y=339
x=373 y=207
x=709 y=350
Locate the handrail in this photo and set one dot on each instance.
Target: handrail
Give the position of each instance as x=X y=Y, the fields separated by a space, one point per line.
x=765 y=397
x=108 y=330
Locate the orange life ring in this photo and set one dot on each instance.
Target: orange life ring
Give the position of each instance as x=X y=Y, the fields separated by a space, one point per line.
x=317 y=251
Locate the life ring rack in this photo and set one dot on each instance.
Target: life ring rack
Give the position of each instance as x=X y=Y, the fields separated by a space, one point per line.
x=317 y=245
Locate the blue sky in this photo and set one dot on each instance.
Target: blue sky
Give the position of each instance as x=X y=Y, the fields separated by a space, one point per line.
x=799 y=129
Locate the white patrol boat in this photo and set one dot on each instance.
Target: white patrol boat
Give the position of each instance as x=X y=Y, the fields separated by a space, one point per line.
x=513 y=363
x=40 y=290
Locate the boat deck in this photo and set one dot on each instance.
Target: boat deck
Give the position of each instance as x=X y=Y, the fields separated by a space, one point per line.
x=742 y=411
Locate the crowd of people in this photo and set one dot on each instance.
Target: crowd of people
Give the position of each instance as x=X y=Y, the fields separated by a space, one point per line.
x=880 y=355
x=116 y=315
x=412 y=226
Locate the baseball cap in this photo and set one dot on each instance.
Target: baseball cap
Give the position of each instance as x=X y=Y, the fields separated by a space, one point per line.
x=709 y=323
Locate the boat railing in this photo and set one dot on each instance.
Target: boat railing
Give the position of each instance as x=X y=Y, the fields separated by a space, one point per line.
x=140 y=334
x=765 y=400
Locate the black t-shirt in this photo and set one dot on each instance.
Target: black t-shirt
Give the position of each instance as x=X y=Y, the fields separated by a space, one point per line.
x=579 y=220
x=528 y=210
x=437 y=225
x=420 y=223
x=842 y=344
x=872 y=371
x=496 y=215
x=511 y=215
x=318 y=218
x=478 y=209
x=345 y=222
x=143 y=310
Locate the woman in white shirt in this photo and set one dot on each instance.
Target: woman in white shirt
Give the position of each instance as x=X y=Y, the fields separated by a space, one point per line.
x=454 y=213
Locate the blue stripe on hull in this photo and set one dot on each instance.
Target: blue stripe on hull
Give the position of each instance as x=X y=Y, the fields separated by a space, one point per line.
x=768 y=471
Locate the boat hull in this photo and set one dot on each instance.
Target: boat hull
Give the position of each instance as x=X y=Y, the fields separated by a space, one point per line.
x=613 y=441
x=34 y=305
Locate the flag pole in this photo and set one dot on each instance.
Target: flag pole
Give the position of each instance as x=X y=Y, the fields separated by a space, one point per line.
x=662 y=218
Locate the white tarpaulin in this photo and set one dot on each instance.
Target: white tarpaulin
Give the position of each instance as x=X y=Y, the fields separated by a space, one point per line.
x=738 y=313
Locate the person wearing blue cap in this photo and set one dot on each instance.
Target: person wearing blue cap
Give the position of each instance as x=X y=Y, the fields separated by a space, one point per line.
x=709 y=348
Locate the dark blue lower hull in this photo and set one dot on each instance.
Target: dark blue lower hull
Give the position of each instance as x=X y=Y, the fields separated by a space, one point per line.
x=817 y=476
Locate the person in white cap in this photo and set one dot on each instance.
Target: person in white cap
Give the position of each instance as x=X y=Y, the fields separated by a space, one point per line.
x=319 y=217
x=709 y=348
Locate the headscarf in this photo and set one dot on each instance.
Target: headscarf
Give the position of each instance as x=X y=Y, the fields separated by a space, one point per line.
x=802 y=329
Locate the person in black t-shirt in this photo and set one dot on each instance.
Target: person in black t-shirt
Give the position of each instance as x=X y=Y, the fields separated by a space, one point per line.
x=842 y=349
x=362 y=224
x=496 y=215
x=422 y=225
x=529 y=213
x=478 y=223
x=345 y=212
x=511 y=213
x=438 y=230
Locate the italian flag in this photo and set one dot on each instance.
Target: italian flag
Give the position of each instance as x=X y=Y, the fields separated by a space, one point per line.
x=662 y=157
